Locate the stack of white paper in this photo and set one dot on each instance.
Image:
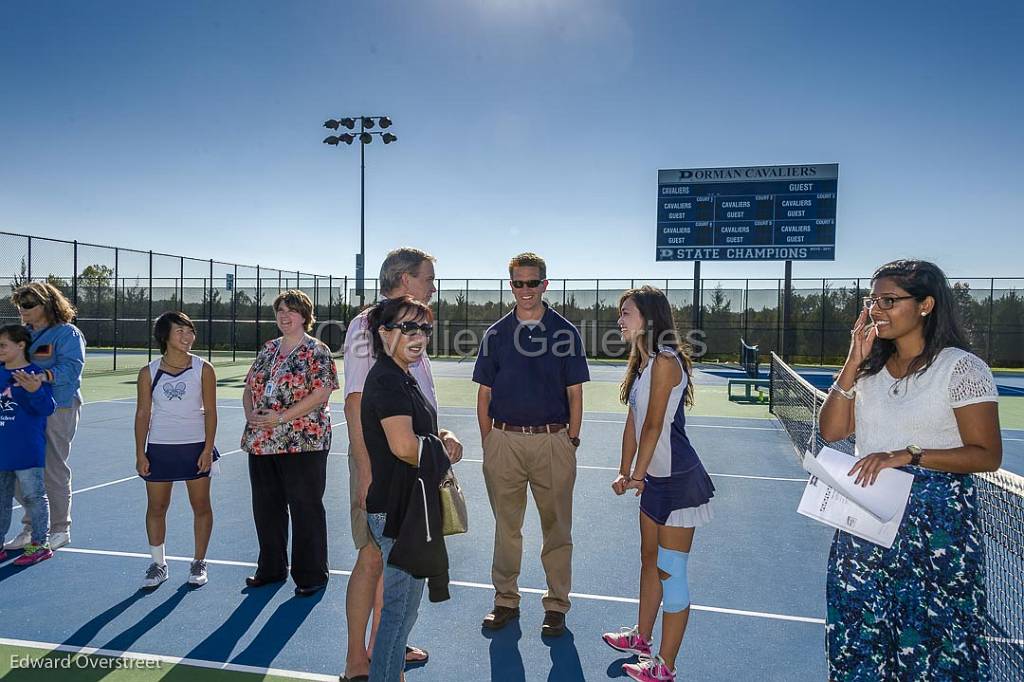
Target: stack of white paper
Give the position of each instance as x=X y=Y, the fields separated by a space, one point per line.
x=873 y=513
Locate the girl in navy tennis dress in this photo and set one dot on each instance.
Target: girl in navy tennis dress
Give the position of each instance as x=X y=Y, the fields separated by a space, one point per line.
x=175 y=426
x=660 y=464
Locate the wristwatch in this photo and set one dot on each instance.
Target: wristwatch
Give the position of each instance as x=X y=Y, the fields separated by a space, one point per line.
x=575 y=441
x=915 y=454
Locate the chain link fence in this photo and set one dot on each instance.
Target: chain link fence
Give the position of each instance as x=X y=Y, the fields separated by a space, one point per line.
x=120 y=292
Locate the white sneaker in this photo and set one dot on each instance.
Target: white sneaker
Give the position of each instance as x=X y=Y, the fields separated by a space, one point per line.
x=59 y=539
x=197 y=573
x=20 y=540
x=155 y=574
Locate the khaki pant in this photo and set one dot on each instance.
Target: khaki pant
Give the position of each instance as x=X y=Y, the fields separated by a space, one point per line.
x=547 y=462
x=60 y=431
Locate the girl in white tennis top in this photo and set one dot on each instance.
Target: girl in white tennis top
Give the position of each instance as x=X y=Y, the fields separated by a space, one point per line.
x=175 y=427
x=660 y=464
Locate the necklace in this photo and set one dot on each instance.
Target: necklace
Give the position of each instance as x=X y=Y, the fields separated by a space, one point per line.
x=164 y=360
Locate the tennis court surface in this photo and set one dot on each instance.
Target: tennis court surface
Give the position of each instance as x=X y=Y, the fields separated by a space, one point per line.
x=757 y=572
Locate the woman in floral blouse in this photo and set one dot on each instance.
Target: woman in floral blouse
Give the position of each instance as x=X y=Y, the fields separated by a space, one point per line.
x=288 y=435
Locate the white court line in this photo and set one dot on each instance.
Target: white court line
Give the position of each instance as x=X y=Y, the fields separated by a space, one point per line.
x=172 y=660
x=481 y=586
x=758 y=478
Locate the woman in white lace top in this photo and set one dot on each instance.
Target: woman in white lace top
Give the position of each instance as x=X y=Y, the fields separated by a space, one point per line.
x=917 y=399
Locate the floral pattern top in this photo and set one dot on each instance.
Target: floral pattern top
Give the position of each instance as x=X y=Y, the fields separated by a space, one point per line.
x=276 y=383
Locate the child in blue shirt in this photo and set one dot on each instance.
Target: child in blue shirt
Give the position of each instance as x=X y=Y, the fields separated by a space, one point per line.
x=25 y=403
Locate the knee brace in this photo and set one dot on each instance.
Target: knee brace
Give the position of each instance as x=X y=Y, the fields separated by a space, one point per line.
x=675 y=588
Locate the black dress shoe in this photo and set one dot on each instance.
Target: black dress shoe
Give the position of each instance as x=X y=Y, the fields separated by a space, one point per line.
x=500 y=617
x=308 y=591
x=554 y=624
x=255 y=581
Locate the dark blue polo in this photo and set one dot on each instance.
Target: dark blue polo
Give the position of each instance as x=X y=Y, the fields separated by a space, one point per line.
x=528 y=368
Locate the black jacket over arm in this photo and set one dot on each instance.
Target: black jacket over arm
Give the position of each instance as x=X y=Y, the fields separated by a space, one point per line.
x=419 y=541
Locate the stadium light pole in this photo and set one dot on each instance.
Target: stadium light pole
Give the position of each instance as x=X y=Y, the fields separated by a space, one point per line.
x=365 y=137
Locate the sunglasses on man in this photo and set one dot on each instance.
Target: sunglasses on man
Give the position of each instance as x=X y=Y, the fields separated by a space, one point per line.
x=410 y=328
x=529 y=283
x=27 y=305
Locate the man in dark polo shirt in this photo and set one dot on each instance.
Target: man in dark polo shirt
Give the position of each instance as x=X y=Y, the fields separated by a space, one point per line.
x=531 y=368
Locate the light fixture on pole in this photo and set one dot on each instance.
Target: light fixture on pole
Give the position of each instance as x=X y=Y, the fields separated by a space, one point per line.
x=365 y=137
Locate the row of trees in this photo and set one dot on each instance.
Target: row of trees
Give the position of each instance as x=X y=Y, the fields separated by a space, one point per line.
x=821 y=318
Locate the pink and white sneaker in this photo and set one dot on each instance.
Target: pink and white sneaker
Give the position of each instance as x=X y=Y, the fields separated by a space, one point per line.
x=628 y=641
x=649 y=670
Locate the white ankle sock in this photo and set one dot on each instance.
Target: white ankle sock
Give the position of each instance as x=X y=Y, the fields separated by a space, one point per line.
x=157 y=552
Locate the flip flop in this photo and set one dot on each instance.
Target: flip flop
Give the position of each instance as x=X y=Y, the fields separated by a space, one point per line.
x=357 y=678
x=416 y=652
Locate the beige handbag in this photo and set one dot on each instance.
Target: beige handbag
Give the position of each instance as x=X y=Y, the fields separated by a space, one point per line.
x=454 y=516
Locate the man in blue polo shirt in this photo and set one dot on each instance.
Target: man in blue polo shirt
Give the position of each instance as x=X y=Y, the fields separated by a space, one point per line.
x=531 y=369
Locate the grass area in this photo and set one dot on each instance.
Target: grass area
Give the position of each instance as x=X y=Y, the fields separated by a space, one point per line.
x=16 y=664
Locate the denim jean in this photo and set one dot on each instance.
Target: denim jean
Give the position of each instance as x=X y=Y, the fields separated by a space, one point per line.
x=402 y=595
x=37 y=506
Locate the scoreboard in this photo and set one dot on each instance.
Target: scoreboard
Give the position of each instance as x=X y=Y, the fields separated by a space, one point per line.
x=748 y=213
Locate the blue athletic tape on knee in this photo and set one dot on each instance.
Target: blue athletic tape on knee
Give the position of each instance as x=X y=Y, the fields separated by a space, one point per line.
x=675 y=588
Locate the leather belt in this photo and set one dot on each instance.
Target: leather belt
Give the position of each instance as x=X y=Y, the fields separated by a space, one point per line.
x=543 y=428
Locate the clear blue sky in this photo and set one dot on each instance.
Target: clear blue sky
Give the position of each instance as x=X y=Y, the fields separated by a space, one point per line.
x=195 y=127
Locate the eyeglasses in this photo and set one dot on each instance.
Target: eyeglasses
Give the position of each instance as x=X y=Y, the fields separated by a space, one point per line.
x=883 y=302
x=531 y=283
x=411 y=328
x=27 y=305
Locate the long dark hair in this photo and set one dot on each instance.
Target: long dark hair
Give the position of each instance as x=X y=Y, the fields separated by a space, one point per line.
x=659 y=332
x=942 y=328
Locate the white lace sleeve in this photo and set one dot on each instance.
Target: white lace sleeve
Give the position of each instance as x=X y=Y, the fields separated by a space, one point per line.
x=971 y=382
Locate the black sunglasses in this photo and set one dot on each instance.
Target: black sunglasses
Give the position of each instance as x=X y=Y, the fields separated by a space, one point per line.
x=27 y=305
x=531 y=283
x=410 y=328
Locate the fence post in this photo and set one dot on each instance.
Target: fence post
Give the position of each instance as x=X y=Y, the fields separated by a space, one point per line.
x=746 y=312
x=234 y=315
x=991 y=305
x=778 y=314
x=259 y=304
x=344 y=302
x=438 y=321
x=181 y=283
x=821 y=355
x=149 y=314
x=74 y=275
x=209 y=318
x=116 y=287
x=28 y=265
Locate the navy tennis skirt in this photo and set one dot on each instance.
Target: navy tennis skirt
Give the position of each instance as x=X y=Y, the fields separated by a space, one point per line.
x=178 y=462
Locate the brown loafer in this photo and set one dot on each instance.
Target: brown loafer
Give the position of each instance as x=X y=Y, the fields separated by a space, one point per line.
x=554 y=624
x=500 y=617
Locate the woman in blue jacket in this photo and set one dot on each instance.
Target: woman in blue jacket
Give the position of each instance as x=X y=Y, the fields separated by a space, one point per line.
x=58 y=348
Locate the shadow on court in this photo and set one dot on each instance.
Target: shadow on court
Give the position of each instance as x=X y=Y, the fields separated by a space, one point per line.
x=506 y=660
x=221 y=643
x=277 y=631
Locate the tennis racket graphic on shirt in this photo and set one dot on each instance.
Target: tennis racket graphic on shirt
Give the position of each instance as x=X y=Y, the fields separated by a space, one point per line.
x=7 y=403
x=174 y=391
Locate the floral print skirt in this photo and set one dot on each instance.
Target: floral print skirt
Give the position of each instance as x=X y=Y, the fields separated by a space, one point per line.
x=914 y=611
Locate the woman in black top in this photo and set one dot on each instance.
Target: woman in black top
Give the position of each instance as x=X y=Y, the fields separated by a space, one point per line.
x=394 y=416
